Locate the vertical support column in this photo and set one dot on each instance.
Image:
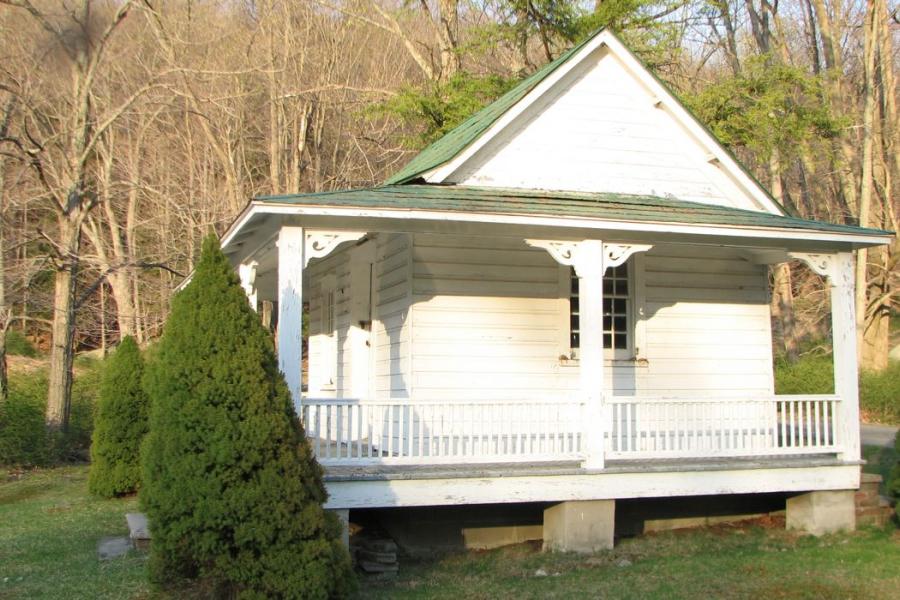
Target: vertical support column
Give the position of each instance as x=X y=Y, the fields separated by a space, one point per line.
x=589 y=267
x=846 y=367
x=291 y=260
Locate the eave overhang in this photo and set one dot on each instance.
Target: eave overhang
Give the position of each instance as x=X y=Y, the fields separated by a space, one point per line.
x=264 y=216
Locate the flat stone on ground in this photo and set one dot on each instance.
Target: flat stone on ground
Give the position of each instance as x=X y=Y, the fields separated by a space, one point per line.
x=113 y=547
x=137 y=525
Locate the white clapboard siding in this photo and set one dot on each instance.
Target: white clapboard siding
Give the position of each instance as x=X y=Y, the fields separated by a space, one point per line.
x=323 y=349
x=708 y=328
x=600 y=129
x=460 y=315
x=485 y=319
x=391 y=328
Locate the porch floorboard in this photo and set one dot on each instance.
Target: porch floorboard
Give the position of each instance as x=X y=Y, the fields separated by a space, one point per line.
x=386 y=472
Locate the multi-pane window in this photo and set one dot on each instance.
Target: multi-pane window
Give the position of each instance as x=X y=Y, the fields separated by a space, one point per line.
x=616 y=307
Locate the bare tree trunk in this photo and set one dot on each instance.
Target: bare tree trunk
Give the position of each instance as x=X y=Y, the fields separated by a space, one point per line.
x=730 y=42
x=447 y=36
x=844 y=150
x=865 y=190
x=813 y=40
x=876 y=335
x=783 y=293
x=59 y=390
x=5 y=313
x=301 y=128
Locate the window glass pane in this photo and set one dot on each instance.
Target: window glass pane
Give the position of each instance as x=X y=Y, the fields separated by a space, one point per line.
x=615 y=324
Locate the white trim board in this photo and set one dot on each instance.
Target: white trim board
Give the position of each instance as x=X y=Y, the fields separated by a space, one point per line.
x=589 y=486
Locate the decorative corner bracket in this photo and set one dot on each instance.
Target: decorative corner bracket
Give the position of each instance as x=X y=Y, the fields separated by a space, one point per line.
x=825 y=265
x=320 y=244
x=562 y=252
x=615 y=255
x=584 y=256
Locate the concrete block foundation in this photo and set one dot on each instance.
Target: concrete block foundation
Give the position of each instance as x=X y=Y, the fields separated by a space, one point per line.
x=583 y=526
x=823 y=512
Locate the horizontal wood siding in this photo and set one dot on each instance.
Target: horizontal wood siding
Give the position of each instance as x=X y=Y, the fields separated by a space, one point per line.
x=489 y=323
x=486 y=318
x=601 y=130
x=708 y=330
x=321 y=348
x=391 y=329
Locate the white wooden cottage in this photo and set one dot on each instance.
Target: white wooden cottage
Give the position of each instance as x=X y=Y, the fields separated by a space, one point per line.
x=563 y=300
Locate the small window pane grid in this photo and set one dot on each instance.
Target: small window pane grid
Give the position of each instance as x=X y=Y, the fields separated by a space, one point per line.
x=615 y=310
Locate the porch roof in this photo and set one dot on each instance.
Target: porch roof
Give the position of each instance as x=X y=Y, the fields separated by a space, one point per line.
x=603 y=206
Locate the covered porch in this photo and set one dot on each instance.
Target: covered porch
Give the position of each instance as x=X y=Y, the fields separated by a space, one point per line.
x=358 y=424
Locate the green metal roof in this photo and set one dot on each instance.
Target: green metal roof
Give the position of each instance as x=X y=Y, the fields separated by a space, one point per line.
x=452 y=143
x=589 y=205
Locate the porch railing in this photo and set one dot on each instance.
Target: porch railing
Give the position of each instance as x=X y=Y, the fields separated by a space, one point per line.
x=646 y=427
x=417 y=431
x=426 y=432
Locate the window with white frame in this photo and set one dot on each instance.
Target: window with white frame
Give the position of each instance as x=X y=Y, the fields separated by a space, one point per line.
x=618 y=332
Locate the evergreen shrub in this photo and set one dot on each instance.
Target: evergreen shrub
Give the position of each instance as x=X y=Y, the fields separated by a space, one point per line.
x=230 y=485
x=120 y=424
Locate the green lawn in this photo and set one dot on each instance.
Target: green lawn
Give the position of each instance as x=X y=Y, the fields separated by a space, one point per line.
x=49 y=528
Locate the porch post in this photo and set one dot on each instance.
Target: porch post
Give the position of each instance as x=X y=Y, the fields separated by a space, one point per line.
x=589 y=267
x=843 y=339
x=291 y=261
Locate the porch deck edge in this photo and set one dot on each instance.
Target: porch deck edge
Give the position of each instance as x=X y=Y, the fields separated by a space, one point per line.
x=334 y=474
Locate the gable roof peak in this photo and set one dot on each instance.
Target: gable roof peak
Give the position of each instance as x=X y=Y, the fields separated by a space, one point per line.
x=443 y=159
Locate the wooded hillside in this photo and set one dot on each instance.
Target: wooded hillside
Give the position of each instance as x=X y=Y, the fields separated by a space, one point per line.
x=130 y=128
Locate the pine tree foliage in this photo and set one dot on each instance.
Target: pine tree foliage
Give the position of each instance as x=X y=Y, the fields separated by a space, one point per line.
x=231 y=489
x=120 y=424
